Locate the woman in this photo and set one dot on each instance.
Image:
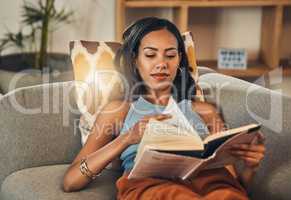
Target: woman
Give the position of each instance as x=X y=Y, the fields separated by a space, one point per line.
x=153 y=54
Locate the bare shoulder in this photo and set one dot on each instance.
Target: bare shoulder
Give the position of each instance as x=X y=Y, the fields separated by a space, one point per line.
x=116 y=107
x=107 y=124
x=105 y=127
x=204 y=107
x=210 y=114
x=114 y=111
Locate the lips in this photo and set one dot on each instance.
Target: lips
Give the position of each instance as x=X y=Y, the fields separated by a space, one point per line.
x=160 y=76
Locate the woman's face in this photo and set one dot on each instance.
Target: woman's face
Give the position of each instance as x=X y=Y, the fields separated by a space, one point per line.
x=158 y=60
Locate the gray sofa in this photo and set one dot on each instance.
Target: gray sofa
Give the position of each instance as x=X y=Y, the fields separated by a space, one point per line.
x=37 y=147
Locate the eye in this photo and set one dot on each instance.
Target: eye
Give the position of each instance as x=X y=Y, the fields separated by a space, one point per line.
x=150 y=55
x=171 y=55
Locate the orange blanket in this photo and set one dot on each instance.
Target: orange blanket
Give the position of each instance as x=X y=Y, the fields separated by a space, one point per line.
x=215 y=184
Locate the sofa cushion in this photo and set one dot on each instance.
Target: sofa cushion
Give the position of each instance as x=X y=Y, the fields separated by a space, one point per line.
x=12 y=80
x=45 y=183
x=38 y=127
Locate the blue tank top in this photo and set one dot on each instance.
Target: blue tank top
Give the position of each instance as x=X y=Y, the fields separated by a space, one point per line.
x=141 y=108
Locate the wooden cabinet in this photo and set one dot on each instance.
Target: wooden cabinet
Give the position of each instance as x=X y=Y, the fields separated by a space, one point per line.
x=271 y=27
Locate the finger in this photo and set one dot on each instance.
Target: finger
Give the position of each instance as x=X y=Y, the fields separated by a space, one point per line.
x=247 y=153
x=250 y=154
x=157 y=116
x=249 y=147
x=142 y=126
x=146 y=119
x=261 y=137
x=253 y=148
x=164 y=116
x=161 y=116
x=252 y=161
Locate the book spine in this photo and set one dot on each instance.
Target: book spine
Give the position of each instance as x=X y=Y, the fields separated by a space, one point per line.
x=192 y=171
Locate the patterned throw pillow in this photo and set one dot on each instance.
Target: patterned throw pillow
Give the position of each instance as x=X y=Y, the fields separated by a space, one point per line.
x=191 y=54
x=98 y=81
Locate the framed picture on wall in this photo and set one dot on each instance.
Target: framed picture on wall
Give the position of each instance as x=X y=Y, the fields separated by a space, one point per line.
x=231 y=58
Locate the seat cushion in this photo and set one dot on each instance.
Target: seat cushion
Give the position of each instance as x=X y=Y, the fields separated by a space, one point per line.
x=45 y=183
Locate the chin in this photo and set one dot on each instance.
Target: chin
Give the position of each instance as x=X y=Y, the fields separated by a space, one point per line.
x=161 y=88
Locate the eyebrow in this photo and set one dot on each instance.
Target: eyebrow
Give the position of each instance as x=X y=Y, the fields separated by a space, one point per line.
x=155 y=49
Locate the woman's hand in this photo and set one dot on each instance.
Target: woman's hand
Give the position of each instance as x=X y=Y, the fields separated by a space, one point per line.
x=252 y=154
x=136 y=132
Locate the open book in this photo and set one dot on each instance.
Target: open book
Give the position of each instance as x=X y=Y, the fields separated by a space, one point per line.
x=173 y=149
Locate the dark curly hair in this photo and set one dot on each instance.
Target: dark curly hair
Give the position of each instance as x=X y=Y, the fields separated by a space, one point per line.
x=184 y=84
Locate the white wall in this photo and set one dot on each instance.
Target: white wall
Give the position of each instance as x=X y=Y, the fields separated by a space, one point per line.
x=9 y=15
x=212 y=27
x=93 y=20
x=226 y=27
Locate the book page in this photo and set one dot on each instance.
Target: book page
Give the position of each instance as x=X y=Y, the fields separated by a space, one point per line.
x=162 y=165
x=221 y=156
x=178 y=118
x=232 y=131
x=163 y=136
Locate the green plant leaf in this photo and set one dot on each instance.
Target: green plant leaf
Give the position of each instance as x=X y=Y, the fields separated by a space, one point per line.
x=32 y=14
x=41 y=17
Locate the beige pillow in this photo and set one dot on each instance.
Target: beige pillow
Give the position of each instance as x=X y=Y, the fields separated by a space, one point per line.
x=97 y=80
x=191 y=54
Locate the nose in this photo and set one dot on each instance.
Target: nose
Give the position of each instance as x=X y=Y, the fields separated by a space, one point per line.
x=162 y=65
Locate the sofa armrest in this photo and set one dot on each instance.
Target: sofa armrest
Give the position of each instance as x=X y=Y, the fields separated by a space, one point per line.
x=205 y=70
x=240 y=103
x=38 y=126
x=1 y=92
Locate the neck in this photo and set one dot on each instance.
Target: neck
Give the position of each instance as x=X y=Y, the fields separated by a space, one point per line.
x=158 y=97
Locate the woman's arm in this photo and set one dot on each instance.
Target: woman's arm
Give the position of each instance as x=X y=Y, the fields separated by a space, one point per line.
x=210 y=116
x=252 y=154
x=99 y=149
